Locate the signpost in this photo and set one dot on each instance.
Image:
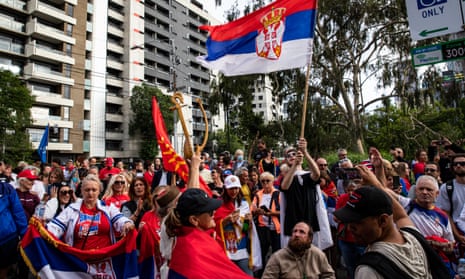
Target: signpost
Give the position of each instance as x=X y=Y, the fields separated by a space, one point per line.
x=432 y=18
x=443 y=52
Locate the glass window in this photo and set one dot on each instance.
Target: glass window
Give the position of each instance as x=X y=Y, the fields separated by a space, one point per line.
x=70 y=10
x=67 y=91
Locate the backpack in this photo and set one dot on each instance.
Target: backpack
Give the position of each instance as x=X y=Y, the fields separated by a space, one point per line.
x=386 y=268
x=450 y=190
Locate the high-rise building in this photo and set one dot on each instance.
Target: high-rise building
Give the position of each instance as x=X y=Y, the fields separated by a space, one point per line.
x=39 y=40
x=81 y=60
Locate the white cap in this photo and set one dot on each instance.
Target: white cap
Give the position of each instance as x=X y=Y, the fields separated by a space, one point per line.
x=232 y=181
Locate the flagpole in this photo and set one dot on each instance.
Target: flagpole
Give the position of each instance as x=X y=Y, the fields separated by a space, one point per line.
x=48 y=141
x=304 y=108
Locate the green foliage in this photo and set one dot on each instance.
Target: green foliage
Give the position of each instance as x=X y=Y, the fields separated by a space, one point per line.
x=141 y=122
x=15 y=117
x=221 y=139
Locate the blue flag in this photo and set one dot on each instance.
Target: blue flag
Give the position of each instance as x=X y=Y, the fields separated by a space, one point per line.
x=42 y=150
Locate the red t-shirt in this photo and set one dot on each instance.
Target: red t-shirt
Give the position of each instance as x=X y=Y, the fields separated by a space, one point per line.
x=342 y=230
x=95 y=226
x=105 y=172
x=117 y=200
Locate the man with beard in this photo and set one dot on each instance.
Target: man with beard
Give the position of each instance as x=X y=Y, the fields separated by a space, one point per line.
x=452 y=196
x=300 y=259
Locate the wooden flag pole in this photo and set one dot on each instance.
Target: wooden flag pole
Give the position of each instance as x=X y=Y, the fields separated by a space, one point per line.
x=304 y=108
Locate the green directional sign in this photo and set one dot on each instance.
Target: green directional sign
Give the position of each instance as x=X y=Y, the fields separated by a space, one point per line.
x=438 y=53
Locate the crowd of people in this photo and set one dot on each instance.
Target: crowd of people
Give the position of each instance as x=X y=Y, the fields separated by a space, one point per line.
x=298 y=218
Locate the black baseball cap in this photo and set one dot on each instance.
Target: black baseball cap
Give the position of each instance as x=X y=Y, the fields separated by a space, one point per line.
x=365 y=202
x=195 y=201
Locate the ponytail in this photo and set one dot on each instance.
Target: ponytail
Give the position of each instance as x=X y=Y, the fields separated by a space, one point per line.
x=173 y=223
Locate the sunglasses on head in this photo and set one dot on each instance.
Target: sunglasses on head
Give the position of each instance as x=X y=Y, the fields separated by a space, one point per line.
x=291 y=154
x=66 y=192
x=459 y=164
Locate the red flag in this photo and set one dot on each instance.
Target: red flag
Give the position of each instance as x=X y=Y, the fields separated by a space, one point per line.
x=171 y=160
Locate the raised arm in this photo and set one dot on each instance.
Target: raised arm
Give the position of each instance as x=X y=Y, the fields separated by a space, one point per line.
x=194 y=172
x=401 y=217
x=315 y=171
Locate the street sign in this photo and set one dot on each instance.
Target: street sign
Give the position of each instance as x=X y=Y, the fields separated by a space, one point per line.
x=432 y=18
x=427 y=55
x=443 y=52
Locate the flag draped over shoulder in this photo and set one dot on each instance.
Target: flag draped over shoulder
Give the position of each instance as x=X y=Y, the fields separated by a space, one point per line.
x=171 y=160
x=42 y=149
x=48 y=257
x=276 y=37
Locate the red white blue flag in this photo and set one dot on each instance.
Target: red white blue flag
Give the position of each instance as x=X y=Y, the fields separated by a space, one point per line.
x=276 y=37
x=48 y=257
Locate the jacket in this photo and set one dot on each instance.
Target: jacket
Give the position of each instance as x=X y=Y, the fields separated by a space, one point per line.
x=64 y=223
x=274 y=206
x=14 y=222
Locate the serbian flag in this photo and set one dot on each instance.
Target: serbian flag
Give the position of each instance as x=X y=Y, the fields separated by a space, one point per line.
x=276 y=37
x=171 y=160
x=150 y=259
x=48 y=257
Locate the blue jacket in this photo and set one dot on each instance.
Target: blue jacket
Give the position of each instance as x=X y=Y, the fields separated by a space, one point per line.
x=14 y=222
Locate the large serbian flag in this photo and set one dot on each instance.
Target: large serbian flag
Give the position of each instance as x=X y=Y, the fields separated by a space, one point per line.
x=172 y=161
x=48 y=257
x=276 y=37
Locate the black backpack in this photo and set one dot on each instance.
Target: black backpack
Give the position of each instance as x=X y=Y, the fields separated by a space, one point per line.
x=386 y=268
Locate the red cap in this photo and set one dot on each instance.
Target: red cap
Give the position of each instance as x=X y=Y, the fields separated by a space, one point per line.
x=29 y=174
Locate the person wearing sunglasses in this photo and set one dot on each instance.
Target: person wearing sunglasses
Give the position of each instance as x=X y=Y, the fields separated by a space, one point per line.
x=60 y=198
x=235 y=228
x=302 y=197
x=117 y=191
x=265 y=207
x=452 y=197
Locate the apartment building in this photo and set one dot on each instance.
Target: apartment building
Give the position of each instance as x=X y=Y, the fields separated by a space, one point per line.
x=39 y=40
x=81 y=60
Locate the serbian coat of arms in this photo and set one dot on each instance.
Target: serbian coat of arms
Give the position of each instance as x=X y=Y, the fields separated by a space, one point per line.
x=270 y=38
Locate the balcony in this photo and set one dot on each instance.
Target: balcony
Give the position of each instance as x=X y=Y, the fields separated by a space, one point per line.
x=115 y=47
x=33 y=72
x=12 y=25
x=115 y=64
x=48 y=33
x=114 y=118
x=53 y=120
x=10 y=47
x=114 y=135
x=86 y=104
x=115 y=31
x=114 y=99
x=115 y=15
x=15 y=4
x=50 y=98
x=115 y=81
x=55 y=146
x=86 y=125
x=119 y=2
x=36 y=50
x=86 y=146
x=50 y=13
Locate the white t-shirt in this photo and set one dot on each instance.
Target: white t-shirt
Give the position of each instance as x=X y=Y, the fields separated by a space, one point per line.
x=458 y=199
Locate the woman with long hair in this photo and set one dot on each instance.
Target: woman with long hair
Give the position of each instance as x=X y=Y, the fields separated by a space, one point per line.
x=117 y=191
x=61 y=197
x=140 y=200
x=234 y=225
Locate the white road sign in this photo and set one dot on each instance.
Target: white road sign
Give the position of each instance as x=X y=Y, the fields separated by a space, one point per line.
x=432 y=18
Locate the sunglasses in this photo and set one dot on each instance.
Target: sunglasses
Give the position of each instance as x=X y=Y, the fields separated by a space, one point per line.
x=430 y=170
x=291 y=154
x=266 y=181
x=323 y=165
x=462 y=164
x=120 y=182
x=69 y=192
